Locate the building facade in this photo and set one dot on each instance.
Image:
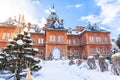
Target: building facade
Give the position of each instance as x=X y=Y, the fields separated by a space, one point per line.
x=55 y=41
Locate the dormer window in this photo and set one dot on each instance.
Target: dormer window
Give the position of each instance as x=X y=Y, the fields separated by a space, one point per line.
x=56 y=24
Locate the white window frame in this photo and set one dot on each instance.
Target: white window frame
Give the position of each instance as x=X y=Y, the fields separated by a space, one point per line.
x=69 y=41
x=5 y=36
x=40 y=40
x=51 y=37
x=76 y=51
x=91 y=39
x=92 y=51
x=76 y=42
x=105 y=40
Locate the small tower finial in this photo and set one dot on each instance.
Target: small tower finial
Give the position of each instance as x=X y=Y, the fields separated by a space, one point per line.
x=53 y=6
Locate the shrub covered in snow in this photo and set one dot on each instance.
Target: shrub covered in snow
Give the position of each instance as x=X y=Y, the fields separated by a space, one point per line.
x=71 y=62
x=103 y=65
x=116 y=63
x=91 y=62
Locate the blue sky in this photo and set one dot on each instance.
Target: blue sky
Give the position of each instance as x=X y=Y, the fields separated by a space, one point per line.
x=106 y=13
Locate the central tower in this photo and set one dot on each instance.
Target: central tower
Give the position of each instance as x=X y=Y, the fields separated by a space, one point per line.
x=56 y=37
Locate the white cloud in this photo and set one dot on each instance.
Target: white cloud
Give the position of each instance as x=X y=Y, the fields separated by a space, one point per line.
x=36 y=2
x=109 y=15
x=90 y=18
x=78 y=5
x=47 y=11
x=43 y=21
x=15 y=7
x=74 y=6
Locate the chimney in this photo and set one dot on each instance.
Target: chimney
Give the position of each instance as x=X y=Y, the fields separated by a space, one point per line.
x=29 y=24
x=77 y=29
x=49 y=21
x=62 y=21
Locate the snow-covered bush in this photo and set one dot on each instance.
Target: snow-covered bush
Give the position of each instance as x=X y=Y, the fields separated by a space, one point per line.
x=78 y=62
x=116 y=64
x=71 y=62
x=91 y=62
x=103 y=65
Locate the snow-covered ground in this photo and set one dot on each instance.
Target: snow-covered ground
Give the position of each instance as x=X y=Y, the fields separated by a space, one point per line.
x=60 y=70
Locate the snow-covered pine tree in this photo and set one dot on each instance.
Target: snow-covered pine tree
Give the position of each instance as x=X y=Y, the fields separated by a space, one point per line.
x=20 y=53
x=3 y=61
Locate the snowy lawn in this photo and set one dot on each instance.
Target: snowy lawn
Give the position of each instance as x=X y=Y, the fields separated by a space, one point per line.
x=60 y=70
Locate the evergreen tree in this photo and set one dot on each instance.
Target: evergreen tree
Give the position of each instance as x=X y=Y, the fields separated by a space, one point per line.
x=118 y=42
x=20 y=53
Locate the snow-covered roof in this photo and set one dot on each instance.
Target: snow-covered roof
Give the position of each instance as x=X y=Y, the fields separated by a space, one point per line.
x=34 y=31
x=96 y=28
x=74 y=32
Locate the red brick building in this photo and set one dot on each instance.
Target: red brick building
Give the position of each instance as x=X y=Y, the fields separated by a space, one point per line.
x=55 y=41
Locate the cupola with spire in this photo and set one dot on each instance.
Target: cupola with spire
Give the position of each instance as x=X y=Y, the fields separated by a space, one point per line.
x=53 y=21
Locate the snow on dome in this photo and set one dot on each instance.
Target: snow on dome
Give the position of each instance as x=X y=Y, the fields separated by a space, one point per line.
x=90 y=57
x=25 y=29
x=35 y=49
x=19 y=42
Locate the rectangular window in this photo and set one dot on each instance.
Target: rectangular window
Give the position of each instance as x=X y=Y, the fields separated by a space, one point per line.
x=6 y=36
x=40 y=41
x=69 y=41
x=40 y=52
x=91 y=51
x=51 y=37
x=105 y=40
x=105 y=51
x=76 y=52
x=76 y=42
x=98 y=39
x=99 y=51
x=60 y=39
x=91 y=39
